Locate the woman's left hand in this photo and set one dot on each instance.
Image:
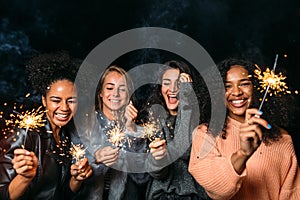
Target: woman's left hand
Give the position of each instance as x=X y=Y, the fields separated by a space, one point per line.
x=130 y=115
x=184 y=77
x=81 y=170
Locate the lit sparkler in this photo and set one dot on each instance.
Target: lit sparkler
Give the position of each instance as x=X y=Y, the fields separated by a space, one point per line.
x=151 y=128
x=116 y=136
x=77 y=151
x=270 y=82
x=29 y=120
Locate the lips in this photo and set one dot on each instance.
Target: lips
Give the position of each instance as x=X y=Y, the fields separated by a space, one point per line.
x=238 y=102
x=61 y=116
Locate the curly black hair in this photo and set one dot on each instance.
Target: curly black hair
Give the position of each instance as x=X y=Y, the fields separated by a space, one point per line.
x=276 y=110
x=45 y=69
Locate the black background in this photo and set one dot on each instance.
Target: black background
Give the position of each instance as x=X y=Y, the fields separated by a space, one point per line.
x=254 y=29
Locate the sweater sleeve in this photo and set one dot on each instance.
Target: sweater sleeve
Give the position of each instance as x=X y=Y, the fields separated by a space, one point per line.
x=213 y=171
x=291 y=185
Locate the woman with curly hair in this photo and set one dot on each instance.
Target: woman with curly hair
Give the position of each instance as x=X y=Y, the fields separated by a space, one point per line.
x=174 y=104
x=43 y=169
x=253 y=157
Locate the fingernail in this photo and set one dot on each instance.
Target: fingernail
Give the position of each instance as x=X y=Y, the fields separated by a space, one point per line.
x=27 y=153
x=269 y=126
x=260 y=112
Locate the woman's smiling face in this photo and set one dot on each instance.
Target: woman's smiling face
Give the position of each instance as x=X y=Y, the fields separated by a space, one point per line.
x=239 y=92
x=60 y=102
x=170 y=89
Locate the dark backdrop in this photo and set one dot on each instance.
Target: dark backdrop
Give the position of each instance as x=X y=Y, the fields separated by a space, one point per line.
x=254 y=29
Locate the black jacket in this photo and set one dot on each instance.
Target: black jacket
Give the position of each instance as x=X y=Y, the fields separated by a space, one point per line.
x=53 y=172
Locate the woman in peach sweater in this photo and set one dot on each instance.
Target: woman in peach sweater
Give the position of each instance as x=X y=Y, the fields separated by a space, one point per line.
x=252 y=158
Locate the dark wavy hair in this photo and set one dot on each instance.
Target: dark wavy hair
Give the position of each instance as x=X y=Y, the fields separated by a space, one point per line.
x=156 y=96
x=276 y=110
x=45 y=69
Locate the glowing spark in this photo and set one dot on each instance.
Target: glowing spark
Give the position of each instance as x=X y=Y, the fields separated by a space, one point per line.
x=77 y=151
x=27 y=95
x=116 y=136
x=272 y=81
x=151 y=128
x=29 y=120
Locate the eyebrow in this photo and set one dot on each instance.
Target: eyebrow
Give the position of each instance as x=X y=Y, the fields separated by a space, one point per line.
x=245 y=79
x=55 y=97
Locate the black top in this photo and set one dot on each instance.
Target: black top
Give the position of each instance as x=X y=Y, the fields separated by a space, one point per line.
x=53 y=172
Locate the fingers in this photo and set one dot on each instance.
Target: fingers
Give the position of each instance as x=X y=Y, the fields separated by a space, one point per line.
x=107 y=155
x=131 y=112
x=184 y=77
x=158 y=148
x=81 y=170
x=253 y=117
x=25 y=162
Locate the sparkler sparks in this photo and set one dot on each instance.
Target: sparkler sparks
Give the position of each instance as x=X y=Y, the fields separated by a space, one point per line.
x=29 y=120
x=270 y=82
x=151 y=128
x=116 y=136
x=77 y=151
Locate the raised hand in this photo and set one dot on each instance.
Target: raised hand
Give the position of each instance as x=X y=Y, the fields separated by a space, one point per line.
x=158 y=148
x=184 y=77
x=130 y=115
x=107 y=155
x=25 y=163
x=250 y=131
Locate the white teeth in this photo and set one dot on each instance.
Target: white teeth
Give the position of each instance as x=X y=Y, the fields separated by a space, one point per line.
x=114 y=101
x=172 y=96
x=61 y=115
x=237 y=101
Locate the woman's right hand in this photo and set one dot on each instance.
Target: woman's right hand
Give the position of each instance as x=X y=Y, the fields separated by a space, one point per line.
x=158 y=148
x=25 y=163
x=250 y=131
x=107 y=155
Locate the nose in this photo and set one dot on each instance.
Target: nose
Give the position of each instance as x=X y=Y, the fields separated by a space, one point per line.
x=174 y=86
x=116 y=92
x=64 y=106
x=236 y=90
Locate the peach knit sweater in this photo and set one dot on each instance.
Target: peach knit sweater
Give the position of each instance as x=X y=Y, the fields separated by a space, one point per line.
x=271 y=173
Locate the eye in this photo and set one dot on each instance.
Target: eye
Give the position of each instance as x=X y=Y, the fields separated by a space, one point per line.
x=72 y=101
x=228 y=86
x=109 y=88
x=245 y=84
x=55 y=100
x=165 y=83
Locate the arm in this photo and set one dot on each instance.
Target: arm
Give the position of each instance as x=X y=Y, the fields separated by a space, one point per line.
x=25 y=164
x=79 y=171
x=291 y=181
x=213 y=171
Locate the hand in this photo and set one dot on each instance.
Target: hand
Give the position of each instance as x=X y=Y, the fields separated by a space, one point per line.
x=81 y=170
x=130 y=115
x=184 y=77
x=158 y=148
x=25 y=163
x=107 y=155
x=251 y=133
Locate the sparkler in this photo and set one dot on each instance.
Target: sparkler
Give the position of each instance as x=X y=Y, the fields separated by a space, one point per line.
x=77 y=151
x=270 y=80
x=151 y=128
x=29 y=120
x=116 y=136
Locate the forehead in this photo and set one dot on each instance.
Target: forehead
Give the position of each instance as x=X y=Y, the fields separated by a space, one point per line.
x=171 y=74
x=237 y=72
x=114 y=78
x=63 y=88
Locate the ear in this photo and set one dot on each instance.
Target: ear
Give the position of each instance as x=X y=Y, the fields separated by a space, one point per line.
x=44 y=101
